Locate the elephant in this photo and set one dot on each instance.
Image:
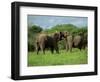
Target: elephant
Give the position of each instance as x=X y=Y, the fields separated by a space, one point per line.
x=78 y=41
x=44 y=41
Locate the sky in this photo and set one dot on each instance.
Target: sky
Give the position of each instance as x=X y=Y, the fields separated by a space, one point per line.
x=46 y=22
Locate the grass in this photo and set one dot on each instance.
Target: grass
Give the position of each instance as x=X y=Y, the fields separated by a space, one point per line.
x=63 y=58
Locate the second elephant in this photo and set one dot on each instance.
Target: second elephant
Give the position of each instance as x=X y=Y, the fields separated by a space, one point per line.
x=79 y=41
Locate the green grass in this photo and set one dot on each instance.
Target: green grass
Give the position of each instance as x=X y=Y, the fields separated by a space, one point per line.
x=63 y=58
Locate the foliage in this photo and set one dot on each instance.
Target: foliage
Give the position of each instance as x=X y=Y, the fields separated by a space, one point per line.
x=61 y=27
x=61 y=45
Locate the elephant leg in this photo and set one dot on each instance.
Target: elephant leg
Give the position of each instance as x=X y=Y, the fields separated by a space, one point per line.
x=57 y=49
x=52 y=50
x=70 y=47
x=69 y=42
x=80 y=48
x=66 y=47
x=43 y=48
x=37 y=49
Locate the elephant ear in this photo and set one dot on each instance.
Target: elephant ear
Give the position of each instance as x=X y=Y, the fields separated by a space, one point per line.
x=61 y=35
x=56 y=36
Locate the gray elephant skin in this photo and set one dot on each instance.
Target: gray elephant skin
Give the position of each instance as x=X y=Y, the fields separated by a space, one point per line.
x=44 y=41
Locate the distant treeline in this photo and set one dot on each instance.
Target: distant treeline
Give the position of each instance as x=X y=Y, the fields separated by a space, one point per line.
x=34 y=30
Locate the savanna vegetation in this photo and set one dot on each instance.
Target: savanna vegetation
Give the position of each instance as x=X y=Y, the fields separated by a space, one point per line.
x=64 y=57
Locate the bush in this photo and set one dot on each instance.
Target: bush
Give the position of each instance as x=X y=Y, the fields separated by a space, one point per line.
x=61 y=45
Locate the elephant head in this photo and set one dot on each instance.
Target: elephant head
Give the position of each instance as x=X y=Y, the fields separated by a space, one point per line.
x=59 y=36
x=64 y=35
